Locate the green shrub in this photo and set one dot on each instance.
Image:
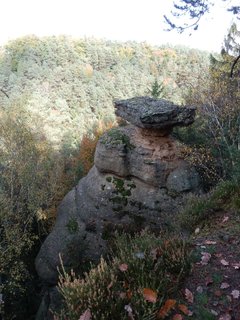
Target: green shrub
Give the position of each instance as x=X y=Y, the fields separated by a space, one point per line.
x=196 y=210
x=175 y=256
x=72 y=225
x=227 y=195
x=224 y=196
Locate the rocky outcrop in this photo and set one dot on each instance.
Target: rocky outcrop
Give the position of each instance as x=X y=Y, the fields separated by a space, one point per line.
x=138 y=179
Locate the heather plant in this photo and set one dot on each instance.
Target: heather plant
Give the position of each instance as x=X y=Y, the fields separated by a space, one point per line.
x=136 y=281
x=94 y=292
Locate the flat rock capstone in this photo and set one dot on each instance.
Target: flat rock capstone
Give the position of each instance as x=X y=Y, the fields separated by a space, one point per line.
x=147 y=112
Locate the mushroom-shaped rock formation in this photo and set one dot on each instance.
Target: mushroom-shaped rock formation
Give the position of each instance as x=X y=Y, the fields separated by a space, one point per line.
x=138 y=179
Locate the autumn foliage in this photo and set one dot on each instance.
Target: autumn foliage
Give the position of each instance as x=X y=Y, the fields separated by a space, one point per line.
x=85 y=157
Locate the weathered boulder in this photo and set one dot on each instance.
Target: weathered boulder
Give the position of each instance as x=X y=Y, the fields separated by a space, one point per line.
x=146 y=112
x=139 y=179
x=184 y=178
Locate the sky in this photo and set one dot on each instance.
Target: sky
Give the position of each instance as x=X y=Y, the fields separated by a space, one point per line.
x=121 y=20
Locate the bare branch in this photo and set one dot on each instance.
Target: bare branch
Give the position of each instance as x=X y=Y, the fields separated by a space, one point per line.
x=5 y=93
x=193 y=9
x=233 y=66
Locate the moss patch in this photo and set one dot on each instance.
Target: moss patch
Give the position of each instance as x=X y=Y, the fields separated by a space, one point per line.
x=117 y=137
x=72 y=225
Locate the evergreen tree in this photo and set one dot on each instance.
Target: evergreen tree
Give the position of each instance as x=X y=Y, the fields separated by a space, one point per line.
x=157 y=89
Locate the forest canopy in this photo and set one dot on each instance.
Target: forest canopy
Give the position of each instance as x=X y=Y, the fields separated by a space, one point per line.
x=69 y=85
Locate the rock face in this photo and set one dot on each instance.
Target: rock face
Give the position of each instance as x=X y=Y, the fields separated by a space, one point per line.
x=139 y=179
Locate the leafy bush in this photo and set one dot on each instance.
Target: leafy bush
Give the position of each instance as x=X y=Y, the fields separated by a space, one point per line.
x=143 y=271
